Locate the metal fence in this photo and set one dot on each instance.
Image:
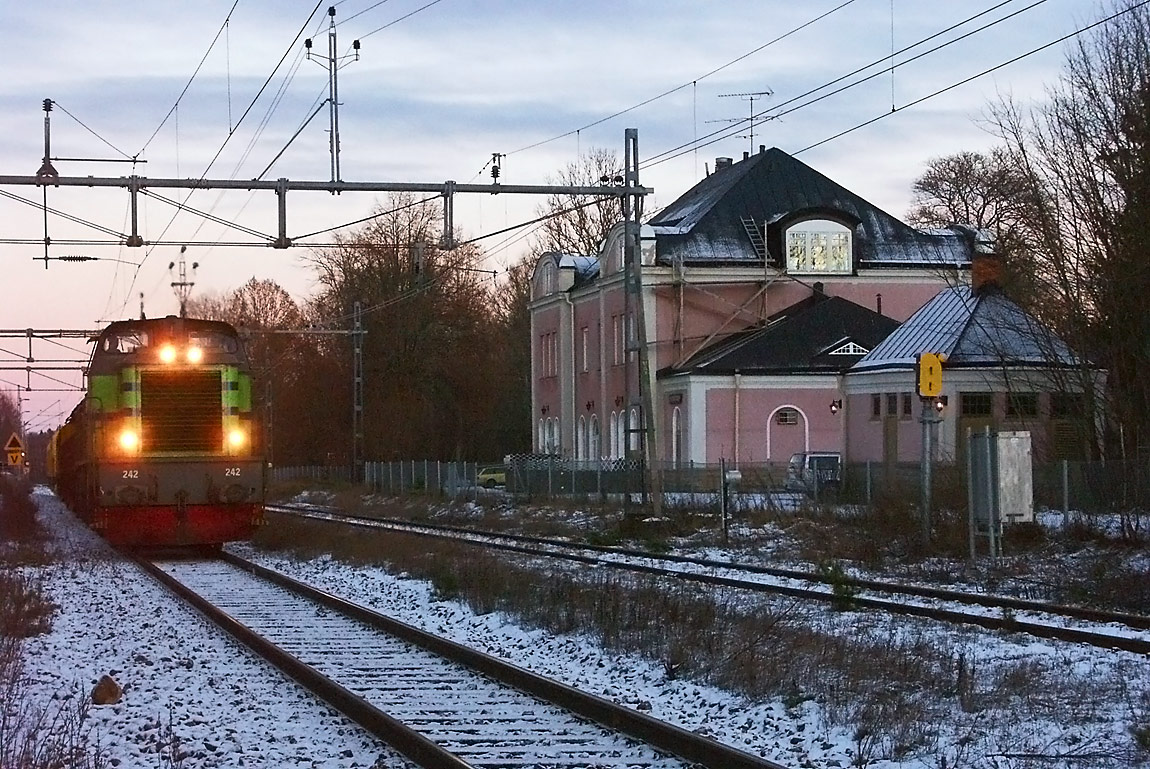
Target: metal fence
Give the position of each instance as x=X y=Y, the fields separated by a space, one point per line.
x=1085 y=488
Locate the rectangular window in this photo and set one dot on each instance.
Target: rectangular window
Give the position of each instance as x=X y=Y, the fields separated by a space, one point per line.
x=840 y=257
x=892 y=404
x=975 y=404
x=875 y=406
x=797 y=251
x=615 y=337
x=585 y=334
x=1021 y=405
x=1067 y=405
x=907 y=407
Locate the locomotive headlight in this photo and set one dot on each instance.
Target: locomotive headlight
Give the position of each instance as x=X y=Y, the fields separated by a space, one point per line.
x=237 y=438
x=194 y=354
x=129 y=440
x=168 y=354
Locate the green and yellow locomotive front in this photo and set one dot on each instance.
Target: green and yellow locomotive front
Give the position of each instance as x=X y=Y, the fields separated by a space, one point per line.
x=176 y=460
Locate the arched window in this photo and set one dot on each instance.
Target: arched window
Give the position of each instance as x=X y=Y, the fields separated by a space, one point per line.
x=541 y=439
x=818 y=246
x=614 y=437
x=581 y=439
x=677 y=437
x=549 y=446
x=634 y=425
x=596 y=445
x=621 y=435
x=545 y=279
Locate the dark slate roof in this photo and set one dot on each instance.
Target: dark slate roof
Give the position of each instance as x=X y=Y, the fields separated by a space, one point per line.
x=799 y=339
x=971 y=330
x=705 y=224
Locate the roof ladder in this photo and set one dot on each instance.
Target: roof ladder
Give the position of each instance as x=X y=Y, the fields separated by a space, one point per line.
x=756 y=237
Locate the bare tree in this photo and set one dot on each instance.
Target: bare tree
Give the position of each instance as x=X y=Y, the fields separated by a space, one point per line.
x=579 y=223
x=1086 y=150
x=285 y=368
x=987 y=191
x=430 y=354
x=9 y=417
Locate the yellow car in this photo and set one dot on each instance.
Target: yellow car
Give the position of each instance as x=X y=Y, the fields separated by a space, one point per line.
x=490 y=477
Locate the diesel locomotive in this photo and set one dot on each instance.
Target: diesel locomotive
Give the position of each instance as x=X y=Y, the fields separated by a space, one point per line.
x=164 y=450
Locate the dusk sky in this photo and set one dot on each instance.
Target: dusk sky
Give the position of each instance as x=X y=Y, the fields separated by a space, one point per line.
x=441 y=85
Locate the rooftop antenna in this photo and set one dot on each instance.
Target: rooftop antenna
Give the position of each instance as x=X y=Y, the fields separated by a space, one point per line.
x=750 y=96
x=334 y=63
x=183 y=286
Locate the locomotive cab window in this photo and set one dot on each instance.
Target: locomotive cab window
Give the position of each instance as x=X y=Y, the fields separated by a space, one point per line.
x=125 y=343
x=207 y=340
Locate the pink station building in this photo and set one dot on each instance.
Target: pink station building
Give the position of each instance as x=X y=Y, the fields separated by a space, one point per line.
x=783 y=313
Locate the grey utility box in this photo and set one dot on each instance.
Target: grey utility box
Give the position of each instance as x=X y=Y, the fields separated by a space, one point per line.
x=1001 y=478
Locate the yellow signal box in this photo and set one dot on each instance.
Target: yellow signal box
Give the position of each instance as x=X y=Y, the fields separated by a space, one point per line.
x=930 y=374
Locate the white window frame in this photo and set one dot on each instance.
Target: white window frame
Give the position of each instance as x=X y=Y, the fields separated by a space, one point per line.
x=811 y=245
x=787 y=416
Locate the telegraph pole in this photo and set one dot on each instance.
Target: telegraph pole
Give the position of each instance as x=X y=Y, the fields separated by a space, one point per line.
x=357 y=390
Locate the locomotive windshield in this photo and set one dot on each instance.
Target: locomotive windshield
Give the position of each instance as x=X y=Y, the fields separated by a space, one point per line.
x=212 y=340
x=126 y=342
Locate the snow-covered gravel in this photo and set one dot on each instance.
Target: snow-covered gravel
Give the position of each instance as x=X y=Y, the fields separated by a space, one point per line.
x=191 y=696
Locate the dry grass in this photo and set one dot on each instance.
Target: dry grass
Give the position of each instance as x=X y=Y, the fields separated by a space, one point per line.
x=893 y=690
x=32 y=736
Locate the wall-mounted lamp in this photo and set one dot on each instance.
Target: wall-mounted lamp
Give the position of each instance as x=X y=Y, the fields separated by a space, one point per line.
x=543 y=410
x=618 y=401
x=590 y=405
x=836 y=406
x=940 y=403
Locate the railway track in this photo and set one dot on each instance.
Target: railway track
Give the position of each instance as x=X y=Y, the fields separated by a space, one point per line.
x=1112 y=630
x=440 y=704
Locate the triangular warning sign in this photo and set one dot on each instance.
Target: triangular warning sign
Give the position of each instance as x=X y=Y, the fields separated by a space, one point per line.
x=14 y=443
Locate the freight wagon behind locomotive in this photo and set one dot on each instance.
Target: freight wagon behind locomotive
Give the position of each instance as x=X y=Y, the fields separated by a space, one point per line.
x=163 y=449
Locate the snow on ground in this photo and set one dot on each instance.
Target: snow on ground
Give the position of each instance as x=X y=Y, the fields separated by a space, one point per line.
x=191 y=696
x=1073 y=702
x=228 y=709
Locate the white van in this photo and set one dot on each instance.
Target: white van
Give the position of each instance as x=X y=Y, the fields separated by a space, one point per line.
x=813 y=472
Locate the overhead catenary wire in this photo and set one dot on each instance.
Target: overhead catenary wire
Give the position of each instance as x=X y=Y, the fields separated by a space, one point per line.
x=983 y=73
x=223 y=144
x=691 y=82
x=191 y=79
x=775 y=112
x=83 y=125
x=396 y=210
x=207 y=216
x=57 y=212
x=401 y=18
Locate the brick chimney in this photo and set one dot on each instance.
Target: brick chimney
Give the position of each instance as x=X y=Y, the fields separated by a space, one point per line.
x=985 y=272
